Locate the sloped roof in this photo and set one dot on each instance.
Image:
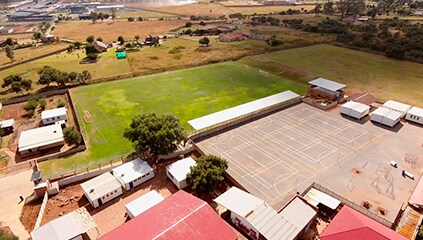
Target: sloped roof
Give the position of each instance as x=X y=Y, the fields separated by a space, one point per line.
x=356 y=106
x=144 y=202
x=132 y=170
x=314 y=197
x=416 y=111
x=53 y=113
x=349 y=224
x=299 y=213
x=238 y=201
x=180 y=216
x=387 y=113
x=65 y=227
x=327 y=84
x=100 y=185
x=181 y=168
x=7 y=123
x=397 y=106
x=41 y=136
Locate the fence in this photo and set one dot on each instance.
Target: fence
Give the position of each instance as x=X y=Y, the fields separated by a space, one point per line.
x=39 y=95
x=351 y=204
x=41 y=213
x=17 y=168
x=318 y=105
x=243 y=119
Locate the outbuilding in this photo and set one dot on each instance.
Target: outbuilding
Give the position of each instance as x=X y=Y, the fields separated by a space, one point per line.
x=177 y=171
x=133 y=173
x=120 y=55
x=143 y=203
x=415 y=114
x=355 y=109
x=7 y=126
x=54 y=115
x=322 y=88
x=386 y=116
x=38 y=139
x=397 y=106
x=101 y=189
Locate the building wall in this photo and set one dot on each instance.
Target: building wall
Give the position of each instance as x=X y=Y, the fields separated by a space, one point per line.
x=38 y=149
x=244 y=226
x=52 y=120
x=316 y=93
x=414 y=118
x=137 y=181
x=173 y=179
x=107 y=197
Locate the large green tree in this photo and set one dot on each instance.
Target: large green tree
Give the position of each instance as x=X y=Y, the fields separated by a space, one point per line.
x=6 y=236
x=154 y=135
x=48 y=75
x=207 y=174
x=351 y=7
x=17 y=83
x=72 y=136
x=9 y=53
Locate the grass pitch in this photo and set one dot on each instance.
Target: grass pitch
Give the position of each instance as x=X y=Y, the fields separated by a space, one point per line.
x=384 y=77
x=187 y=94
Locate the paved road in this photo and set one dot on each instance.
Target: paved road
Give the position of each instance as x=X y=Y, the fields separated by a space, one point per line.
x=11 y=187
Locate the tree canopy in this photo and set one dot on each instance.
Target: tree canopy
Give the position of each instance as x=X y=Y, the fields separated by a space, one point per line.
x=204 y=41
x=9 y=53
x=207 y=174
x=154 y=135
x=17 y=83
x=90 y=39
x=72 y=136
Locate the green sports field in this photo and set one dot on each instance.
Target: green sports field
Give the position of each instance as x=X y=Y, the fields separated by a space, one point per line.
x=188 y=94
x=384 y=77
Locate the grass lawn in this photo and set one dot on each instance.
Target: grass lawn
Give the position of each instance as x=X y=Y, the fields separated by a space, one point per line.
x=107 y=66
x=384 y=77
x=187 y=94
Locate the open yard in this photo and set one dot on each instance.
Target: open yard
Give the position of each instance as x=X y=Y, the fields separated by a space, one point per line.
x=197 y=9
x=187 y=94
x=109 y=30
x=384 y=77
x=144 y=14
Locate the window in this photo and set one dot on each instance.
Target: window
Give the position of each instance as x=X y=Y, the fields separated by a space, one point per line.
x=111 y=193
x=147 y=174
x=115 y=191
x=102 y=197
x=107 y=195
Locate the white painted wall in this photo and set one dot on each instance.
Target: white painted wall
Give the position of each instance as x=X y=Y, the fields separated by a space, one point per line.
x=48 y=121
x=107 y=197
x=140 y=180
x=244 y=222
x=414 y=118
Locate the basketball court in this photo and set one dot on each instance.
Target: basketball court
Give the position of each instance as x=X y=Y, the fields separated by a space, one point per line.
x=283 y=153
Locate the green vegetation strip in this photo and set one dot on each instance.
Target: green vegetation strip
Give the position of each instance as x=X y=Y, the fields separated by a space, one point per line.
x=188 y=94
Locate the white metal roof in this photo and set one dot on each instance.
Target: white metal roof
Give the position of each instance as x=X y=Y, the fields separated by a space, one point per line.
x=397 y=106
x=181 y=168
x=53 y=113
x=327 y=84
x=39 y=137
x=359 y=107
x=416 y=111
x=7 y=123
x=298 y=213
x=100 y=185
x=387 y=113
x=241 y=110
x=132 y=170
x=238 y=201
x=314 y=197
x=144 y=202
x=65 y=227
x=260 y=215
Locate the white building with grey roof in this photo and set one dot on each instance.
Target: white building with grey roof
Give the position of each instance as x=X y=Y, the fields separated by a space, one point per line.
x=101 y=189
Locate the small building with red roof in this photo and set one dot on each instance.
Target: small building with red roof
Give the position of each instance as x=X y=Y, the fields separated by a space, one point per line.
x=180 y=216
x=349 y=224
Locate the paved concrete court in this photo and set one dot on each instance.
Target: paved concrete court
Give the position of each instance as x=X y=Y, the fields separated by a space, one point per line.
x=11 y=187
x=278 y=155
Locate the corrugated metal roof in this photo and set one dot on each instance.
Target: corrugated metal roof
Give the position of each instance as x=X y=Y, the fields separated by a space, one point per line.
x=416 y=111
x=7 y=123
x=132 y=170
x=327 y=84
x=241 y=110
x=181 y=168
x=238 y=201
x=100 y=185
x=397 y=106
x=359 y=107
x=53 y=113
x=350 y=224
x=387 y=113
x=315 y=197
x=39 y=137
x=299 y=213
x=180 y=216
x=65 y=227
x=409 y=223
x=144 y=202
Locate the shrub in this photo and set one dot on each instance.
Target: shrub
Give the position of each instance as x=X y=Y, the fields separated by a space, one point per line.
x=60 y=104
x=42 y=103
x=92 y=56
x=72 y=136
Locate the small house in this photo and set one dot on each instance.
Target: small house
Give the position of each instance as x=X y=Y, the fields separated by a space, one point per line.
x=143 y=203
x=39 y=139
x=54 y=115
x=418 y=13
x=101 y=45
x=385 y=116
x=101 y=189
x=120 y=55
x=415 y=114
x=6 y=29
x=355 y=109
x=133 y=173
x=152 y=39
x=326 y=205
x=72 y=226
x=177 y=171
x=7 y=126
x=397 y=106
x=321 y=88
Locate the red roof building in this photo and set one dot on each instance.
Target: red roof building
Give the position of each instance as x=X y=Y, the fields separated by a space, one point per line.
x=349 y=224
x=180 y=216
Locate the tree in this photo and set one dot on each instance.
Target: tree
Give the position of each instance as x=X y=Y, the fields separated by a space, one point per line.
x=94 y=17
x=37 y=35
x=30 y=106
x=90 y=39
x=395 y=51
x=17 y=83
x=77 y=45
x=83 y=77
x=188 y=24
x=137 y=37
x=101 y=16
x=6 y=236
x=207 y=174
x=100 y=39
x=328 y=8
x=113 y=13
x=72 y=136
x=9 y=41
x=90 y=48
x=9 y=53
x=204 y=41
x=121 y=40
x=351 y=7
x=154 y=135
x=318 y=9
x=42 y=103
x=131 y=19
x=49 y=75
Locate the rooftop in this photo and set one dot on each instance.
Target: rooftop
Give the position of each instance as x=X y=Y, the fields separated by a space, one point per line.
x=396 y=106
x=299 y=213
x=387 y=113
x=65 y=227
x=41 y=136
x=359 y=107
x=7 y=123
x=327 y=84
x=238 y=201
x=314 y=197
x=181 y=168
x=416 y=111
x=53 y=113
x=100 y=185
x=132 y=170
x=144 y=202
x=180 y=216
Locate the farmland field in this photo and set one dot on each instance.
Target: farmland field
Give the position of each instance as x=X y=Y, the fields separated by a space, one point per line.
x=384 y=77
x=269 y=9
x=109 y=30
x=197 y=9
x=144 y=14
x=186 y=93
